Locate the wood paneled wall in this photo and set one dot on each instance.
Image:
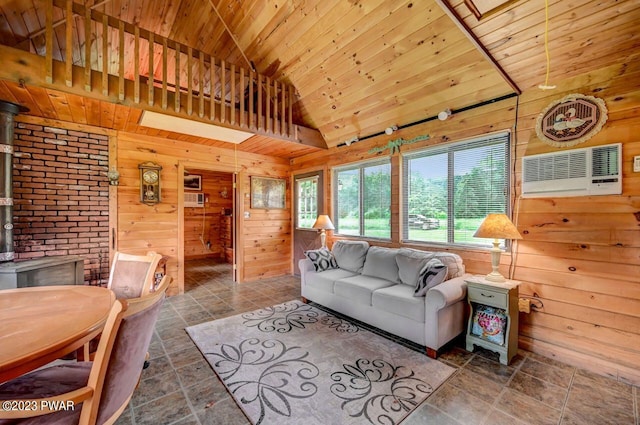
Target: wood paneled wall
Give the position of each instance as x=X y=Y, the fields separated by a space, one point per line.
x=579 y=256
x=142 y=227
x=202 y=225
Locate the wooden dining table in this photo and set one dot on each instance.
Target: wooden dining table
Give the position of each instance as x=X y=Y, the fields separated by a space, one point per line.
x=42 y=324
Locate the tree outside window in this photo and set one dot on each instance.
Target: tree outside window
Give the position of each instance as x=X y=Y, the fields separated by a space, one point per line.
x=362 y=195
x=448 y=190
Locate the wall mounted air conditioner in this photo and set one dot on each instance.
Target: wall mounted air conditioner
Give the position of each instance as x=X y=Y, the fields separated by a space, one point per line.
x=576 y=172
x=194 y=199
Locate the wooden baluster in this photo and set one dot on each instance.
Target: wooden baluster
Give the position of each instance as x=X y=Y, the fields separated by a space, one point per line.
x=68 y=70
x=189 y=81
x=290 y=128
x=223 y=90
x=243 y=119
x=232 y=103
x=136 y=63
x=121 y=58
x=87 y=49
x=177 y=79
x=259 y=108
x=252 y=115
x=283 y=115
x=267 y=99
x=276 y=127
x=105 y=55
x=164 y=73
x=49 y=42
x=201 y=85
x=212 y=89
x=151 y=73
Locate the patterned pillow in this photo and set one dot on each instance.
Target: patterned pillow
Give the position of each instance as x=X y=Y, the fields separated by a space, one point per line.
x=322 y=259
x=432 y=274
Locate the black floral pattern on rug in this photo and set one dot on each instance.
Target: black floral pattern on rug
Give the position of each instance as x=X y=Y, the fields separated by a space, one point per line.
x=281 y=374
x=340 y=325
x=281 y=318
x=378 y=391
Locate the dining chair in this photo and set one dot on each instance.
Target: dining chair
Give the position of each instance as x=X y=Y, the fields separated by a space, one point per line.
x=133 y=276
x=94 y=392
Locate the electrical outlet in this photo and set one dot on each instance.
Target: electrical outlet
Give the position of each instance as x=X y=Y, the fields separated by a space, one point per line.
x=524 y=305
x=636 y=164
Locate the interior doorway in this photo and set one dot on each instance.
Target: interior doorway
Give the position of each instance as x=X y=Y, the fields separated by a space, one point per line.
x=207 y=224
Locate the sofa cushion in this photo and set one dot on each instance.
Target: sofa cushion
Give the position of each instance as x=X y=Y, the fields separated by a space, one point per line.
x=322 y=259
x=433 y=273
x=350 y=255
x=358 y=288
x=399 y=299
x=455 y=266
x=324 y=280
x=412 y=260
x=381 y=262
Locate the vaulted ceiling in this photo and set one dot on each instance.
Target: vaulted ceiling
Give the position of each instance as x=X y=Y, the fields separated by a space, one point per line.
x=359 y=66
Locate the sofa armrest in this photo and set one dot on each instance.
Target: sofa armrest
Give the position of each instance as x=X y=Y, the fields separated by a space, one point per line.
x=448 y=292
x=305 y=265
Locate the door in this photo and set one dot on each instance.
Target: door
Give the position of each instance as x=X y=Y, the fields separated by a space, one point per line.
x=308 y=203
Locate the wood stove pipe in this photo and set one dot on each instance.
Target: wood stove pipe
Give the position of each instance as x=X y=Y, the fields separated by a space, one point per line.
x=8 y=111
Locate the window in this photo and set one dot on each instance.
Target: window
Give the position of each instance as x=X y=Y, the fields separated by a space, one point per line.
x=448 y=190
x=307 y=211
x=362 y=195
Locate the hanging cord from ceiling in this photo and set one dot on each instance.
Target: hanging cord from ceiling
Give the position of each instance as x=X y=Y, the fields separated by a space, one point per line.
x=204 y=215
x=432 y=118
x=546 y=85
x=233 y=37
x=515 y=202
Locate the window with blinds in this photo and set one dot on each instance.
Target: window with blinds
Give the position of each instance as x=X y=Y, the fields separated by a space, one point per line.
x=362 y=196
x=449 y=189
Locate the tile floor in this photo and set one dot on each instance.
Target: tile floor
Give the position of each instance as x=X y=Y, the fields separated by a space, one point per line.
x=179 y=387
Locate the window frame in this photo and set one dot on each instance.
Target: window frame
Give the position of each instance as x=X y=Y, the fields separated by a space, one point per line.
x=361 y=166
x=496 y=138
x=313 y=178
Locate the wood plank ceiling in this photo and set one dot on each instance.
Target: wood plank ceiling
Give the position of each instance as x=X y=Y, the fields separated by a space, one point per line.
x=358 y=66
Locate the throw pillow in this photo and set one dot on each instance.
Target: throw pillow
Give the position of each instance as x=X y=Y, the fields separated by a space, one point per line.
x=432 y=274
x=322 y=259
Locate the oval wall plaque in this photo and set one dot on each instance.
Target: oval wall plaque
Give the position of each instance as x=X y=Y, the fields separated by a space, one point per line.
x=571 y=120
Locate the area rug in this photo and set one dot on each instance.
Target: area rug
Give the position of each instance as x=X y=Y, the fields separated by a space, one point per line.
x=294 y=363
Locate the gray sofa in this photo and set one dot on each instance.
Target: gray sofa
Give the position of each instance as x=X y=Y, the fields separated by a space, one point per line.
x=377 y=285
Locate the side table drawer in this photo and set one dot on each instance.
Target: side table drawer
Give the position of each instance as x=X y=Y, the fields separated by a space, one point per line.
x=487 y=297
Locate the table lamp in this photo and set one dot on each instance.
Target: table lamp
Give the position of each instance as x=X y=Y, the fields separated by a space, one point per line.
x=496 y=226
x=323 y=222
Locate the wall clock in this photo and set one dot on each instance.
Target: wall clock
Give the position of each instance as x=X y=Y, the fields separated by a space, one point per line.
x=149 y=183
x=571 y=120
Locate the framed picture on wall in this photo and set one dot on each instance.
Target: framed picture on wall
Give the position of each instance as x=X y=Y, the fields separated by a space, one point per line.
x=268 y=193
x=193 y=182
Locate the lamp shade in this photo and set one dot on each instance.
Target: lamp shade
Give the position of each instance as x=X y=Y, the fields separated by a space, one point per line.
x=323 y=222
x=497 y=226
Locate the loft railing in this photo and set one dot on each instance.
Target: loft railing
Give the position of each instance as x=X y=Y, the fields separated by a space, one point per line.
x=164 y=73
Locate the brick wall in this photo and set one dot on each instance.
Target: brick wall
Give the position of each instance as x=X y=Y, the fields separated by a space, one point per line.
x=61 y=196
